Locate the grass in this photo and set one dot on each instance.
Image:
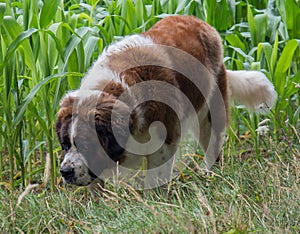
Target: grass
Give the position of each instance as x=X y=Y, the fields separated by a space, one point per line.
x=260 y=196
x=47 y=46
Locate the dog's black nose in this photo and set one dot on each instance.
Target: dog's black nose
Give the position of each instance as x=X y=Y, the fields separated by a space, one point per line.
x=67 y=172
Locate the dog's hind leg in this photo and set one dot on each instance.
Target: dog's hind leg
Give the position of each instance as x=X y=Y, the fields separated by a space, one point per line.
x=213 y=118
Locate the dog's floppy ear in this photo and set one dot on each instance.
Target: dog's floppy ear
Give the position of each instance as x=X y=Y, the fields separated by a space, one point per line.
x=64 y=119
x=113 y=124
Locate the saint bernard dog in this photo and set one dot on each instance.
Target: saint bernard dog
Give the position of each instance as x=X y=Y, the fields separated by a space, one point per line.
x=144 y=88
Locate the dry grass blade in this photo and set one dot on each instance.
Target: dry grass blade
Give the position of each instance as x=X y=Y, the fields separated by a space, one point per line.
x=30 y=187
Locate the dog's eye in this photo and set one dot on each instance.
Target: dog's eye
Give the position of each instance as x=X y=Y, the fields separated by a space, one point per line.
x=66 y=146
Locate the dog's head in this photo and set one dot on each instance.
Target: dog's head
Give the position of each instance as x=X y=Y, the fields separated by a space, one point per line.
x=87 y=130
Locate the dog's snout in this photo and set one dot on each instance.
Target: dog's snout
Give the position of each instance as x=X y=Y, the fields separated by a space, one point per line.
x=67 y=172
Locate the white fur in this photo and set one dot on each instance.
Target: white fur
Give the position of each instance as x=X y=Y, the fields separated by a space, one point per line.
x=73 y=94
x=87 y=94
x=73 y=130
x=252 y=88
x=127 y=42
x=82 y=94
x=100 y=72
x=78 y=163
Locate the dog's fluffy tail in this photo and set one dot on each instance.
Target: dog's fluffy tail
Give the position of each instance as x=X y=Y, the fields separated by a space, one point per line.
x=252 y=89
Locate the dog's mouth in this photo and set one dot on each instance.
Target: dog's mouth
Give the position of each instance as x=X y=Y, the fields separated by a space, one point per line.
x=81 y=179
x=74 y=181
x=69 y=180
x=92 y=175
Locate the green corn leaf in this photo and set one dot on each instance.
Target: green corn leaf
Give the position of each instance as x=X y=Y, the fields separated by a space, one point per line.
x=123 y=14
x=293 y=18
x=190 y=8
x=266 y=48
x=222 y=18
x=73 y=43
x=273 y=24
x=284 y=64
x=57 y=45
x=33 y=149
x=128 y=17
x=181 y=6
x=17 y=42
x=8 y=84
x=274 y=55
x=252 y=26
x=211 y=7
x=156 y=8
x=73 y=66
x=89 y=48
x=62 y=32
x=80 y=56
x=12 y=27
x=48 y=12
x=104 y=35
x=291 y=88
x=255 y=66
x=140 y=12
x=239 y=51
x=3 y=48
x=238 y=63
x=30 y=13
x=26 y=12
x=32 y=108
x=19 y=116
x=235 y=41
x=261 y=27
x=109 y=28
x=172 y=5
x=281 y=8
x=131 y=17
x=287 y=55
x=2 y=11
